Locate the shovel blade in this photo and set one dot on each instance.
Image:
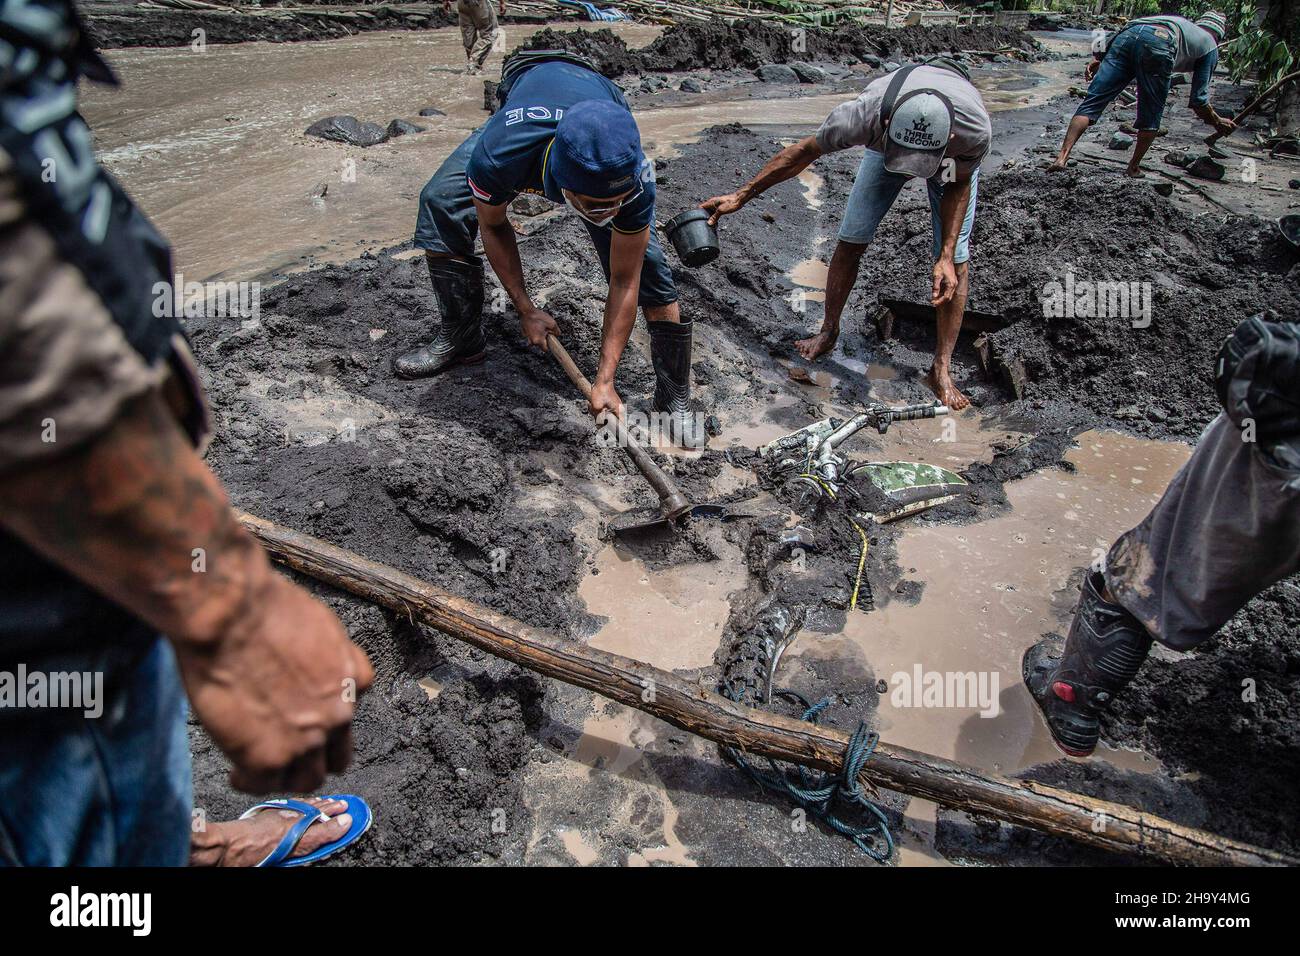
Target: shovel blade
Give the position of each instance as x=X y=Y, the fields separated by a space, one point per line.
x=651 y=519
x=639 y=521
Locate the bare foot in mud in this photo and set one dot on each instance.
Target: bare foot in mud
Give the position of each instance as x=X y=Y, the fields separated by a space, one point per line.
x=1135 y=174
x=941 y=384
x=249 y=842
x=815 y=346
x=1056 y=166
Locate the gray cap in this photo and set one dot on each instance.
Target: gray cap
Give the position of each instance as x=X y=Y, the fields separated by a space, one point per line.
x=918 y=134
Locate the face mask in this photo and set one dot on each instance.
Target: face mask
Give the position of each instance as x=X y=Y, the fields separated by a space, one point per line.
x=598 y=223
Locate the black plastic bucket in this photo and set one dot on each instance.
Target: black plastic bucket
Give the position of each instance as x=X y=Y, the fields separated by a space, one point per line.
x=694 y=239
x=1289 y=227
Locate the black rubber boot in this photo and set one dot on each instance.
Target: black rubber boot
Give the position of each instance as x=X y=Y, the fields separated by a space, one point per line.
x=1105 y=647
x=670 y=351
x=459 y=288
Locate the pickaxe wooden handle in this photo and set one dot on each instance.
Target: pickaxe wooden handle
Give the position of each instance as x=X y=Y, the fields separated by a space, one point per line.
x=1254 y=104
x=671 y=501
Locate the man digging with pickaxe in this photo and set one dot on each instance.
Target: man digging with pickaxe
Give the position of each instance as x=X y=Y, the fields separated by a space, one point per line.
x=1151 y=50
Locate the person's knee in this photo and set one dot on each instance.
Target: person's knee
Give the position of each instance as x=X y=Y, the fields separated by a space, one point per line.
x=441 y=193
x=669 y=312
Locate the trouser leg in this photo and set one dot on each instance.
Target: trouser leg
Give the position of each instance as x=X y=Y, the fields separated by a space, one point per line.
x=1225 y=529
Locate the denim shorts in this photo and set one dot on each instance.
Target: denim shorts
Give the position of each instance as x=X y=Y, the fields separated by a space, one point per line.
x=106 y=789
x=447 y=223
x=1145 y=54
x=874 y=191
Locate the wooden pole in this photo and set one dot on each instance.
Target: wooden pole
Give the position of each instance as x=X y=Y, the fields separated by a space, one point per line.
x=1254 y=104
x=1098 y=823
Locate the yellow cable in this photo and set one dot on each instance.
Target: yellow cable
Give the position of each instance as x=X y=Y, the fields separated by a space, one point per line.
x=830 y=492
x=862 y=559
x=862 y=563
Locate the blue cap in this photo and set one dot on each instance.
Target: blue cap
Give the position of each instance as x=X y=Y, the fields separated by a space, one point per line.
x=597 y=149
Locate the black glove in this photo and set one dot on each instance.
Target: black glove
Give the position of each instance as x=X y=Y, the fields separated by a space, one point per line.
x=1257 y=376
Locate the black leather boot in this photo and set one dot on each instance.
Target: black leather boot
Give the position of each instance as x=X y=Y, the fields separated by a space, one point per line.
x=1102 y=654
x=670 y=351
x=459 y=341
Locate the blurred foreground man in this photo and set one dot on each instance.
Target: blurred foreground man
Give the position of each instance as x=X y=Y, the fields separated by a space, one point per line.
x=128 y=581
x=1227 y=527
x=920 y=122
x=566 y=133
x=1151 y=50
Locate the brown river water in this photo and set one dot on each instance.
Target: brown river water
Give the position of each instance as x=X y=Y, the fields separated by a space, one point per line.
x=212 y=146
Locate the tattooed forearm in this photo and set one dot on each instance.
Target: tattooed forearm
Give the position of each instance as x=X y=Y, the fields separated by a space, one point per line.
x=138 y=516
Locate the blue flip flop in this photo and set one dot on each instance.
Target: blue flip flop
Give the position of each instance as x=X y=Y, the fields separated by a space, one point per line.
x=361 y=820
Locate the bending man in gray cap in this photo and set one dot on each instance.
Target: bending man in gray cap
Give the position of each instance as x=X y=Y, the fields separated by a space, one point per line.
x=920 y=122
x=1151 y=50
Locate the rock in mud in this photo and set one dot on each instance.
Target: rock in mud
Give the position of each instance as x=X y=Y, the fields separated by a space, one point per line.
x=349 y=130
x=808 y=73
x=691 y=85
x=400 y=127
x=432 y=111
x=527 y=204
x=776 y=73
x=1120 y=141
x=1203 y=167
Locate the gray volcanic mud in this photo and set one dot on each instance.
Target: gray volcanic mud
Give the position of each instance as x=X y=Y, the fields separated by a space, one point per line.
x=488 y=482
x=1149 y=369
x=749 y=44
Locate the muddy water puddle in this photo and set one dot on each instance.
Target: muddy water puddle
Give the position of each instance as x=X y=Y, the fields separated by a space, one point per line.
x=614 y=739
x=952 y=660
x=670 y=618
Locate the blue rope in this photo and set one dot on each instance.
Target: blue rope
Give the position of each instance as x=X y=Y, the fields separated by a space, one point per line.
x=822 y=794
